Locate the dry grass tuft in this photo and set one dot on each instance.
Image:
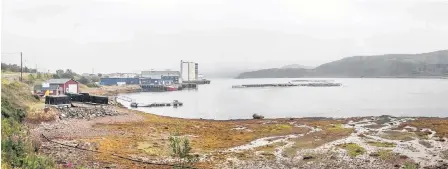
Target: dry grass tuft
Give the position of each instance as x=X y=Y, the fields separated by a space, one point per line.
x=397 y=135
x=381 y=144
x=353 y=149
x=38 y=115
x=440 y=125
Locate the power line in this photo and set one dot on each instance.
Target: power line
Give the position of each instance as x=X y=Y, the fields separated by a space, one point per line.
x=9 y=53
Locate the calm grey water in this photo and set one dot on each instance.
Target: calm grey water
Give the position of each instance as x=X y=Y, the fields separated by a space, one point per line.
x=357 y=97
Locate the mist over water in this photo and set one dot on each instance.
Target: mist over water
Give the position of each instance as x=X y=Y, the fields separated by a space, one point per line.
x=357 y=97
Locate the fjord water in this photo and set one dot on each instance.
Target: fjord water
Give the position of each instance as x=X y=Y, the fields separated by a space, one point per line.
x=357 y=97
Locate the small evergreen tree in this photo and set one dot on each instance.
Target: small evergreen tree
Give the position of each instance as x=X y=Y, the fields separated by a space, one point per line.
x=180 y=147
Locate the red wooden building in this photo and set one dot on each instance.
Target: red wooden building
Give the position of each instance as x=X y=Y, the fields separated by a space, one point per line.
x=59 y=86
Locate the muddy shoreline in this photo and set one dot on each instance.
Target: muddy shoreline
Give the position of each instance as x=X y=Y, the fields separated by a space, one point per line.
x=308 y=142
x=311 y=142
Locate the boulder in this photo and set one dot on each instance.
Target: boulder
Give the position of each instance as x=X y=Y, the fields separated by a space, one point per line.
x=257 y=116
x=307 y=157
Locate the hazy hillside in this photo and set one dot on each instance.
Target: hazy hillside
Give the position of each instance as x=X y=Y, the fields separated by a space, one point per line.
x=275 y=73
x=391 y=65
x=296 y=66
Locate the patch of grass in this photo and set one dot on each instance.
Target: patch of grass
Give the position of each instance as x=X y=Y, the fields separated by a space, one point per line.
x=352 y=149
x=277 y=127
x=381 y=144
x=385 y=154
x=336 y=127
x=329 y=133
x=153 y=148
x=397 y=135
x=423 y=134
x=245 y=155
x=440 y=125
x=374 y=126
x=270 y=147
x=409 y=165
x=38 y=115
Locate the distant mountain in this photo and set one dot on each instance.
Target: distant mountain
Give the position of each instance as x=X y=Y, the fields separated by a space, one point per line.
x=296 y=66
x=233 y=69
x=433 y=64
x=275 y=73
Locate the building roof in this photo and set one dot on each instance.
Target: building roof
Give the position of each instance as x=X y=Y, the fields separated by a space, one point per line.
x=164 y=72
x=51 y=87
x=58 y=81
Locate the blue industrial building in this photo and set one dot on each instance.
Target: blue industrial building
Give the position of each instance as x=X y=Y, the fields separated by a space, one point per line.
x=119 y=81
x=164 y=80
x=147 y=81
x=170 y=79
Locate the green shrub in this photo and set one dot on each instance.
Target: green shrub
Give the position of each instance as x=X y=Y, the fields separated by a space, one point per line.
x=353 y=149
x=180 y=147
x=10 y=112
x=37 y=162
x=18 y=150
x=92 y=85
x=409 y=165
x=13 y=151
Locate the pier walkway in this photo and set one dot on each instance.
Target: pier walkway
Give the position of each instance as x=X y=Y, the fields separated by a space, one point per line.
x=175 y=103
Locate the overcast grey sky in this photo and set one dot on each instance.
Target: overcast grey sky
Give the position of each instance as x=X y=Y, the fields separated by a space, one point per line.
x=134 y=35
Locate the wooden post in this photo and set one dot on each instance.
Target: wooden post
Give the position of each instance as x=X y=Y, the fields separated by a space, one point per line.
x=21 y=67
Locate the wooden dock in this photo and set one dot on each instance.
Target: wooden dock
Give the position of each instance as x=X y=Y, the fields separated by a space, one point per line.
x=189 y=86
x=288 y=85
x=203 y=81
x=158 y=88
x=175 y=103
x=164 y=88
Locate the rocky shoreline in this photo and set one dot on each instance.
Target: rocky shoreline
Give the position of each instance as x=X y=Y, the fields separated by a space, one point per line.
x=87 y=112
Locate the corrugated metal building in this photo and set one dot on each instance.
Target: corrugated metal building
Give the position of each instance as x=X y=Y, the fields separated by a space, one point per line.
x=119 y=81
x=160 y=77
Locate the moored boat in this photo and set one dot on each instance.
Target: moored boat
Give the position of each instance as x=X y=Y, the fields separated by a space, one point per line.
x=171 y=88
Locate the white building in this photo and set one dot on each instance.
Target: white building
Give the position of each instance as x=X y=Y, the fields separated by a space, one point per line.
x=159 y=74
x=189 y=71
x=121 y=75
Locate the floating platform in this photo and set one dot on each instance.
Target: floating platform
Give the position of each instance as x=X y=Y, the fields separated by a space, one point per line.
x=288 y=85
x=305 y=80
x=175 y=103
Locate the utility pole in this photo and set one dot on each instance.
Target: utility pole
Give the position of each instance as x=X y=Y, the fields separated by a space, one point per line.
x=21 y=68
